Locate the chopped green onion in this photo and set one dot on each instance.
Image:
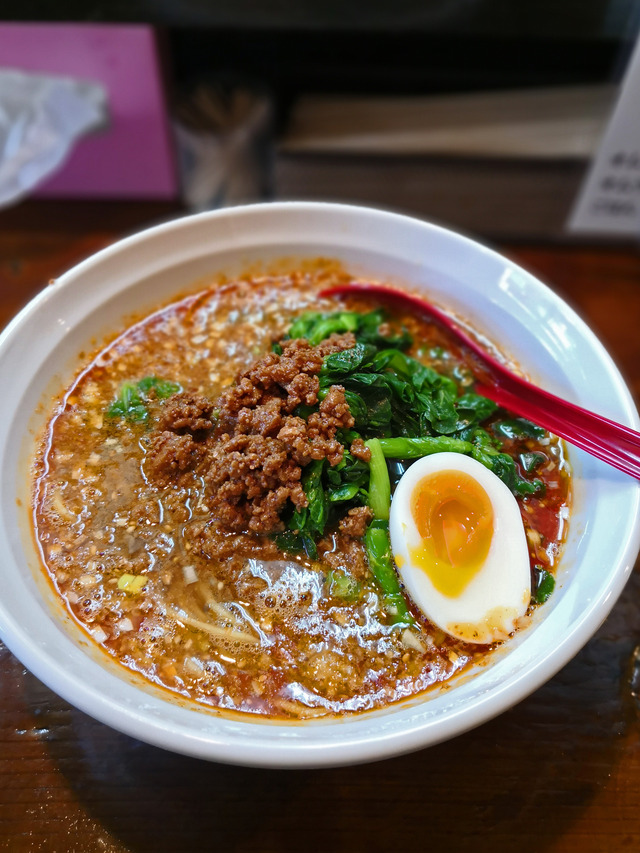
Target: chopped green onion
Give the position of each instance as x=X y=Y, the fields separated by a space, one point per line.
x=133 y=584
x=344 y=586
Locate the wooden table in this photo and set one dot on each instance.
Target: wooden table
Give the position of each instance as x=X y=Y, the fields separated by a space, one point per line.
x=560 y=772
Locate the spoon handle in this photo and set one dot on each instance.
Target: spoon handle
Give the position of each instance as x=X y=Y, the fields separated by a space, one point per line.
x=613 y=443
x=605 y=439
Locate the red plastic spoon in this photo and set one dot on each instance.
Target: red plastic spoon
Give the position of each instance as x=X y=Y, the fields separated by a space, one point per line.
x=615 y=444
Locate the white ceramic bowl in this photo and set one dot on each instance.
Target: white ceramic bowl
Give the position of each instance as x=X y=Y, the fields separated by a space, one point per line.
x=39 y=354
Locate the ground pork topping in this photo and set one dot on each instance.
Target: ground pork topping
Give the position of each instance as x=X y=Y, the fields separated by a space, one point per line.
x=187 y=411
x=252 y=461
x=355 y=522
x=291 y=377
x=360 y=450
x=170 y=454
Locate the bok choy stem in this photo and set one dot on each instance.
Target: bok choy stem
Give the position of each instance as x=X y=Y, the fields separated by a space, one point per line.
x=376 y=538
x=379 y=484
x=378 y=546
x=415 y=448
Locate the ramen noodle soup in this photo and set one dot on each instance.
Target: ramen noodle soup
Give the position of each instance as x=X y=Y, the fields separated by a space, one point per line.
x=212 y=498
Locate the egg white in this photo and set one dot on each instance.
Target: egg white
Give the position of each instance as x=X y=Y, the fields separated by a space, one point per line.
x=488 y=608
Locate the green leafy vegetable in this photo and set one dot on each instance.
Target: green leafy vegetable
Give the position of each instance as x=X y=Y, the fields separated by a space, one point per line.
x=518 y=428
x=163 y=387
x=296 y=542
x=312 y=519
x=330 y=492
x=316 y=327
x=475 y=408
x=345 y=492
x=131 y=402
x=347 y=361
x=531 y=461
x=504 y=467
x=128 y=405
x=391 y=393
x=543 y=586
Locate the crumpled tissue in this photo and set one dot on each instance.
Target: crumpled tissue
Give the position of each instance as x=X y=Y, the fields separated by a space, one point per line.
x=41 y=118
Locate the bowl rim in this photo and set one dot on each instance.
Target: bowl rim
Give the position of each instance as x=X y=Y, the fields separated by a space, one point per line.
x=250 y=750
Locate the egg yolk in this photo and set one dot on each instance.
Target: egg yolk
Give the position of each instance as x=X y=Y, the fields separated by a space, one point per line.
x=454 y=517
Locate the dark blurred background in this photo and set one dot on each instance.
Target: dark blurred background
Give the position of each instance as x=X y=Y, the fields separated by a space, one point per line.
x=381 y=46
x=348 y=83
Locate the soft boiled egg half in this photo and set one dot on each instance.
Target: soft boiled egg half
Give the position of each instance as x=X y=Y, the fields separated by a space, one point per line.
x=460 y=547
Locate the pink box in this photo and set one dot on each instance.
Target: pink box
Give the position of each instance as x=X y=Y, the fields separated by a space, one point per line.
x=133 y=157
